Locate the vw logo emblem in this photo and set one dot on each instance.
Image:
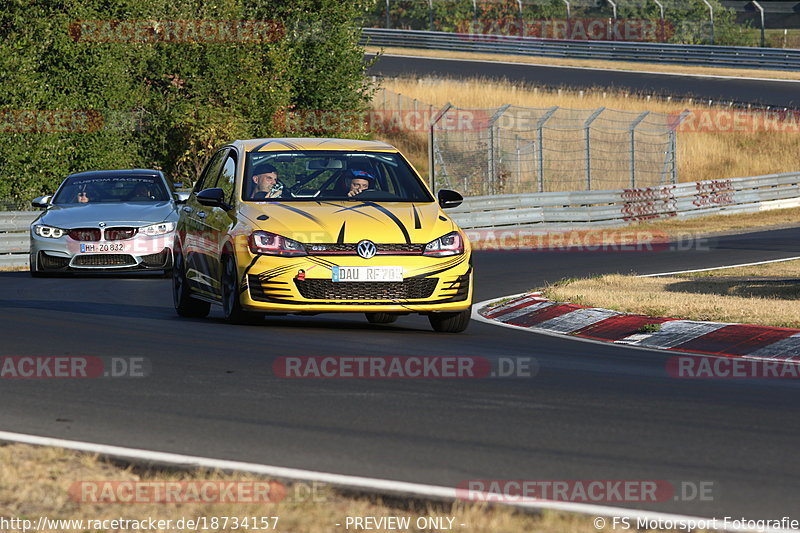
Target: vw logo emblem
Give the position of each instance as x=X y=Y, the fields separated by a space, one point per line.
x=366 y=249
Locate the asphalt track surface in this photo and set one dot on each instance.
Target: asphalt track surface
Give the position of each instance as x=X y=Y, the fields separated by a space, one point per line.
x=774 y=93
x=593 y=411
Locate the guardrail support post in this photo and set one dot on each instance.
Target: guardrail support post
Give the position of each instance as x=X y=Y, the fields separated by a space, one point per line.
x=635 y=123
x=491 y=127
x=431 y=140
x=761 y=10
x=586 y=125
x=540 y=145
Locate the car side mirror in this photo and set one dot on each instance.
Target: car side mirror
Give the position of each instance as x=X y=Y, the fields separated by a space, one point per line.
x=448 y=198
x=214 y=197
x=42 y=202
x=181 y=197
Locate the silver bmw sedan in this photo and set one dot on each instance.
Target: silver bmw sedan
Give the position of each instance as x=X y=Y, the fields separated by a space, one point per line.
x=106 y=220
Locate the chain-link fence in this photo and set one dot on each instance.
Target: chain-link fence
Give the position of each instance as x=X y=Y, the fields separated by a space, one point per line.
x=511 y=150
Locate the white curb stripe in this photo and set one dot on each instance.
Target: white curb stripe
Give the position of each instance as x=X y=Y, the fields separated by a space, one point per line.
x=788 y=349
x=575 y=320
x=673 y=333
x=524 y=311
x=354 y=482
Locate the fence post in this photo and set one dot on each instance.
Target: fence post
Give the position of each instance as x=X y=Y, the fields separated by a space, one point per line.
x=431 y=139
x=673 y=145
x=586 y=125
x=490 y=132
x=711 y=18
x=632 y=130
x=388 y=21
x=540 y=144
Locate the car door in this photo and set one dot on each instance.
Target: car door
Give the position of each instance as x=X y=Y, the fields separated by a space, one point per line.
x=197 y=245
x=217 y=222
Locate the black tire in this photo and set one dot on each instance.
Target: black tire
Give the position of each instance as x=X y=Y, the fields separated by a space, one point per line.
x=231 y=305
x=380 y=318
x=34 y=270
x=450 y=322
x=185 y=305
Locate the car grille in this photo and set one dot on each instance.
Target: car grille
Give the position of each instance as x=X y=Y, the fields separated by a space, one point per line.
x=325 y=289
x=350 y=249
x=156 y=260
x=119 y=234
x=85 y=234
x=52 y=262
x=104 y=260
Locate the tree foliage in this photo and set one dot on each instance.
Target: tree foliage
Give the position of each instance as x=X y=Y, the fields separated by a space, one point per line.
x=163 y=103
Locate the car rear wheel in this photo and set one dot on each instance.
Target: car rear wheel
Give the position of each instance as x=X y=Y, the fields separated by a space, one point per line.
x=231 y=305
x=450 y=322
x=185 y=305
x=380 y=318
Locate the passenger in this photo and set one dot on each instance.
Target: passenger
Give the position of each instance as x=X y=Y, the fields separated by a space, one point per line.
x=358 y=181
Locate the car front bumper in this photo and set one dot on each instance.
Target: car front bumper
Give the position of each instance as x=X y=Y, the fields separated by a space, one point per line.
x=305 y=285
x=64 y=254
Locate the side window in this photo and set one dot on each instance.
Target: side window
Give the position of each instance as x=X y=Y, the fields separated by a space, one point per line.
x=228 y=176
x=211 y=171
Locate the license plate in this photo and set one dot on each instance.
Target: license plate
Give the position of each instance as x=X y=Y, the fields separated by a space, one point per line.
x=368 y=273
x=102 y=248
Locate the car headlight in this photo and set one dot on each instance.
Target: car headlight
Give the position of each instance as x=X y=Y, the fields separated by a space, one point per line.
x=450 y=244
x=49 y=231
x=157 y=229
x=264 y=242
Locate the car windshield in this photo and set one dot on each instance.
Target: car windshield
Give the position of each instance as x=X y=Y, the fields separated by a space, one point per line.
x=331 y=175
x=111 y=189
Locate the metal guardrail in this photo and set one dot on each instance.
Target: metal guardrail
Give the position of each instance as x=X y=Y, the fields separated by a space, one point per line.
x=717 y=56
x=569 y=210
x=554 y=211
x=14 y=237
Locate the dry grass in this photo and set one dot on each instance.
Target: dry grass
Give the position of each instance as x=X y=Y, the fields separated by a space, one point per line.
x=720 y=224
x=605 y=65
x=783 y=269
x=35 y=481
x=767 y=301
x=701 y=155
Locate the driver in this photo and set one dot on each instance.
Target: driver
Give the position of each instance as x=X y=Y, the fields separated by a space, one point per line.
x=267 y=184
x=358 y=181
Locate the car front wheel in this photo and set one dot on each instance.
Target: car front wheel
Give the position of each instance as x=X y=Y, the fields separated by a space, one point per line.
x=185 y=305
x=231 y=306
x=450 y=322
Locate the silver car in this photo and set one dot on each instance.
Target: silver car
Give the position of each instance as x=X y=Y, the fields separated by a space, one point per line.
x=106 y=220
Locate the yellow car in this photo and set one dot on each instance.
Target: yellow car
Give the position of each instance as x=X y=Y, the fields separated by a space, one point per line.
x=320 y=225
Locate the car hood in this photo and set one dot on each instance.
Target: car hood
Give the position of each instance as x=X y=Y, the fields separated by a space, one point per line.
x=133 y=214
x=349 y=222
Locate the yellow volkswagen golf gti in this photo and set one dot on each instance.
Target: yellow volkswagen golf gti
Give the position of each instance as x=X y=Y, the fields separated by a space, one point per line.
x=310 y=226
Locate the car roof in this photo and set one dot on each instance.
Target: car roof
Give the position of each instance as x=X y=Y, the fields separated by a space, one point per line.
x=311 y=143
x=130 y=172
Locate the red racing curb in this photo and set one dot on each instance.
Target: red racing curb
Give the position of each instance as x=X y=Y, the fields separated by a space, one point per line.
x=733 y=340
